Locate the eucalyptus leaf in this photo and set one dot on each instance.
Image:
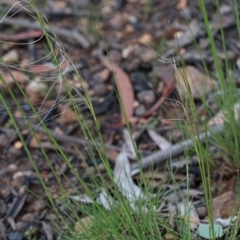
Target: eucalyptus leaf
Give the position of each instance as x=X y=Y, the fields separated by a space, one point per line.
x=205 y=230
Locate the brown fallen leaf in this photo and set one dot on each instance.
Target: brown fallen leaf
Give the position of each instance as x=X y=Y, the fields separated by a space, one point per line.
x=198 y=83
x=67 y=116
x=43 y=68
x=9 y=80
x=125 y=89
x=35 y=140
x=21 y=36
x=223 y=205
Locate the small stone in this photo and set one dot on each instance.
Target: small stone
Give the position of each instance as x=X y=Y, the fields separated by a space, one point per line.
x=18 y=144
x=146 y=39
x=15 y=236
x=20 y=226
x=106 y=10
x=131 y=65
x=129 y=29
x=139 y=111
x=38 y=205
x=14 y=152
x=100 y=89
x=186 y=13
x=115 y=55
x=36 y=87
x=146 y=96
x=127 y=51
x=28 y=217
x=11 y=167
x=147 y=55
x=118 y=21
x=101 y=76
x=160 y=87
x=202 y=211
x=11 y=56
x=36 y=91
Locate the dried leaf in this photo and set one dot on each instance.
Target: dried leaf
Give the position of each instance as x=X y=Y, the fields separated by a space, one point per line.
x=130 y=144
x=48 y=231
x=8 y=80
x=187 y=37
x=205 y=231
x=190 y=78
x=105 y=200
x=67 y=115
x=43 y=68
x=83 y=224
x=11 y=56
x=82 y=198
x=221 y=116
x=158 y=139
x=122 y=177
x=225 y=222
x=188 y=211
x=220 y=204
x=24 y=35
x=125 y=88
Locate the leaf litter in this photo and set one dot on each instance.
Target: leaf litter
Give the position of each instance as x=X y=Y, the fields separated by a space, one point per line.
x=132 y=57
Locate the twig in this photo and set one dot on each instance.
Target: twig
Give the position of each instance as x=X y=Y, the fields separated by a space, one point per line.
x=78 y=37
x=162 y=156
x=166 y=92
x=60 y=138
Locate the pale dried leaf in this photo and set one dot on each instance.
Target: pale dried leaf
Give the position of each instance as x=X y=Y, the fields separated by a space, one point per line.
x=221 y=116
x=11 y=56
x=188 y=211
x=82 y=198
x=192 y=193
x=225 y=222
x=190 y=78
x=105 y=200
x=129 y=142
x=187 y=37
x=159 y=140
x=122 y=177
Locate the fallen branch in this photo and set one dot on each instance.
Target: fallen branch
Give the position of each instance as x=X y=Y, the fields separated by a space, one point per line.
x=177 y=149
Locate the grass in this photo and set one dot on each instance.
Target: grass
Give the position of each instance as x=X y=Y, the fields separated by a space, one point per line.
x=77 y=220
